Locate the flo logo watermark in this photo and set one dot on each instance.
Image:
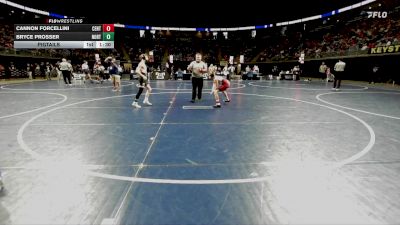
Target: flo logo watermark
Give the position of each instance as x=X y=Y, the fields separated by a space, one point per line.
x=377 y=14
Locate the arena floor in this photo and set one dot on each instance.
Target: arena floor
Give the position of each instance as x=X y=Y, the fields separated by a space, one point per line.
x=281 y=152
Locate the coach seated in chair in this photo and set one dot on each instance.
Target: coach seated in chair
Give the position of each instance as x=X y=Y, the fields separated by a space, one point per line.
x=256 y=73
x=296 y=73
x=179 y=74
x=251 y=75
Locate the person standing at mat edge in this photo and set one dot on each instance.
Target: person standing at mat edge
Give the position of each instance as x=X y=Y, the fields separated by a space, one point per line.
x=339 y=70
x=66 y=69
x=197 y=67
x=141 y=71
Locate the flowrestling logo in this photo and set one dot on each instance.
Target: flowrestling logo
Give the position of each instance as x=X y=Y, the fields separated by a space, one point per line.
x=377 y=14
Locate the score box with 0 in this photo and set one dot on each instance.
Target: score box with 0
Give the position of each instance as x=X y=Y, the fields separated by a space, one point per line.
x=108 y=36
x=108 y=27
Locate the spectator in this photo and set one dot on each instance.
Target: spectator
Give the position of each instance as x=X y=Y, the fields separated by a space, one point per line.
x=66 y=69
x=339 y=71
x=322 y=70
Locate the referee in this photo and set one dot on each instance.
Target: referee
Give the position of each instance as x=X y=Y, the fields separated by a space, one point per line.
x=197 y=67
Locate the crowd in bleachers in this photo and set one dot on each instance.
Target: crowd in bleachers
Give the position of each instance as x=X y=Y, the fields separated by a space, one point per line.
x=322 y=38
x=335 y=38
x=355 y=36
x=6 y=36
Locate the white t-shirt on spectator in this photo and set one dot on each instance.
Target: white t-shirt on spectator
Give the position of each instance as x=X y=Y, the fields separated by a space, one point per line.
x=85 y=67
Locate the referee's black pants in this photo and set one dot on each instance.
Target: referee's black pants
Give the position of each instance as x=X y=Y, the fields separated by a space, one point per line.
x=197 y=84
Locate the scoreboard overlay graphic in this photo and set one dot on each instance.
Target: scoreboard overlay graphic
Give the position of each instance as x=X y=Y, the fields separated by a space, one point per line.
x=73 y=36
